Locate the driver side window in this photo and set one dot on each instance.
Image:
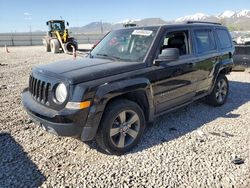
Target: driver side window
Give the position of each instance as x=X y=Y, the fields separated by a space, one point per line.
x=177 y=40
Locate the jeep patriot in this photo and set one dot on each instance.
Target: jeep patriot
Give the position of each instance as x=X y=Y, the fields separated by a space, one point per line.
x=132 y=76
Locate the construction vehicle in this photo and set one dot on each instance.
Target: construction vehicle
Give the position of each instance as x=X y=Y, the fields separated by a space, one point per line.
x=58 y=39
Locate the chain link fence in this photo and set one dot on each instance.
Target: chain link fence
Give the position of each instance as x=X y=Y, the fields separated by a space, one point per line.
x=33 y=39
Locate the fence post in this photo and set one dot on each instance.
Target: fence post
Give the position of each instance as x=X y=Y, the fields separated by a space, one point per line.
x=30 y=38
x=12 y=39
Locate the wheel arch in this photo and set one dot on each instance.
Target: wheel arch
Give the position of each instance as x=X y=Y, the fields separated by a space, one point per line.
x=223 y=69
x=139 y=97
x=137 y=90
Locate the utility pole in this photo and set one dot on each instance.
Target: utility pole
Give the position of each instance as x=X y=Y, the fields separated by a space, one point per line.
x=101 y=27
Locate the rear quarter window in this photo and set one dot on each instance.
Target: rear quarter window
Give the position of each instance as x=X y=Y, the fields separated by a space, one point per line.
x=204 y=40
x=224 y=38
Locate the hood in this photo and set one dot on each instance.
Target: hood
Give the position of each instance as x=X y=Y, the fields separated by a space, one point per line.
x=87 y=69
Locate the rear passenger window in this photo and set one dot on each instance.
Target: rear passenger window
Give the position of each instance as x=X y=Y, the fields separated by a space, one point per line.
x=204 y=41
x=224 y=38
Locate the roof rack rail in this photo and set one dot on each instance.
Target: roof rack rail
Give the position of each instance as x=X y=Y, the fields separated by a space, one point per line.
x=202 y=22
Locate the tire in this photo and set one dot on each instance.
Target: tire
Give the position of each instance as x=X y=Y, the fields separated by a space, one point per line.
x=54 y=46
x=69 y=48
x=115 y=137
x=220 y=91
x=46 y=45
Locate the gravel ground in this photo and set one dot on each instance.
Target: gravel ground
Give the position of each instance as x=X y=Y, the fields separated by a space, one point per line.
x=191 y=147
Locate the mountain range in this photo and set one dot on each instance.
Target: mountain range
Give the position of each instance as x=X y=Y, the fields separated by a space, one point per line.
x=235 y=21
x=239 y=21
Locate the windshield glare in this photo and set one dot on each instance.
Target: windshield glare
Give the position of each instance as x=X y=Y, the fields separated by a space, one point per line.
x=125 y=45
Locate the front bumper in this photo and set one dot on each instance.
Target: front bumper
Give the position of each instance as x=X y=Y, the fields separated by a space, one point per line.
x=66 y=122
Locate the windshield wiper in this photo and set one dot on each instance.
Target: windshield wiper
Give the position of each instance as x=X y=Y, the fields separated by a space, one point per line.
x=109 y=57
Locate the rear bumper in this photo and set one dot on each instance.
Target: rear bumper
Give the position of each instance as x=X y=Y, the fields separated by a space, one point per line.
x=62 y=123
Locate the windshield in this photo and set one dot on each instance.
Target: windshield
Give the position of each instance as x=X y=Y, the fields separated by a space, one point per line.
x=58 y=26
x=125 y=45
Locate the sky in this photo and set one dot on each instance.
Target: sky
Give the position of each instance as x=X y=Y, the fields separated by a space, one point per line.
x=26 y=15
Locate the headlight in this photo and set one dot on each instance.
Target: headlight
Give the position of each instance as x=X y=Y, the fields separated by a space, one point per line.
x=61 y=93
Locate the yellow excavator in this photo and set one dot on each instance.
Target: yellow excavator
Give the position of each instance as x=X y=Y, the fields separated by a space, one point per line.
x=58 y=39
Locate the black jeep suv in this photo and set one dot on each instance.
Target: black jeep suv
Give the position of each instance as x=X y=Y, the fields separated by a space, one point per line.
x=132 y=76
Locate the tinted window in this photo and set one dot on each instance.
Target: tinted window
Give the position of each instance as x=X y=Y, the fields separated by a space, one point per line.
x=204 y=41
x=224 y=38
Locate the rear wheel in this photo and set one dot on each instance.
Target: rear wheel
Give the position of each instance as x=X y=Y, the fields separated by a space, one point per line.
x=122 y=126
x=70 y=46
x=220 y=92
x=54 y=45
x=46 y=45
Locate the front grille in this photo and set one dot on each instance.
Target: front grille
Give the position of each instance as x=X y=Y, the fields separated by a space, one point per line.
x=40 y=90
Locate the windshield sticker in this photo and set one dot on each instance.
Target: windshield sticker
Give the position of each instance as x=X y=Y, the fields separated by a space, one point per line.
x=142 y=32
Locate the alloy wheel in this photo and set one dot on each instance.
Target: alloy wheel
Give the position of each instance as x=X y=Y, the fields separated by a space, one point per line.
x=125 y=128
x=221 y=91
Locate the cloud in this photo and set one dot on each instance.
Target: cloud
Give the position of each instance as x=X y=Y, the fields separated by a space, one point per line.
x=27 y=14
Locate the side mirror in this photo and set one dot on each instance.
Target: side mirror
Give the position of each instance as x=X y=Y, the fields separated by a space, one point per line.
x=67 y=23
x=168 y=54
x=47 y=23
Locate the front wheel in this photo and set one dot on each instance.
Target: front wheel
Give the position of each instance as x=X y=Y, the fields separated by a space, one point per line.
x=54 y=46
x=122 y=126
x=220 y=92
x=46 y=45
